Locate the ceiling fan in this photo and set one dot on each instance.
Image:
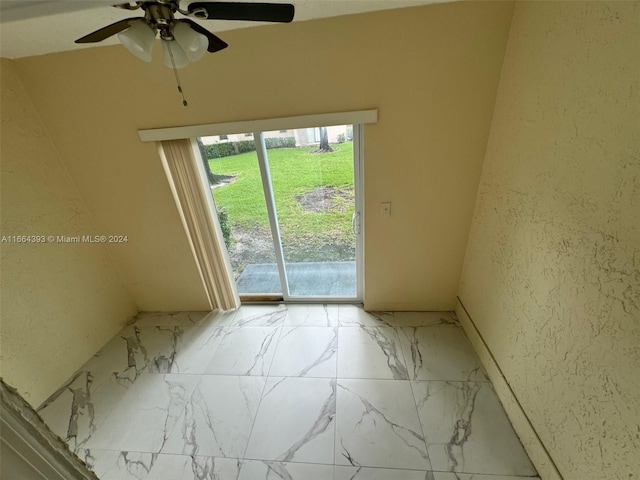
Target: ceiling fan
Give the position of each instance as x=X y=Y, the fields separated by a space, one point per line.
x=183 y=40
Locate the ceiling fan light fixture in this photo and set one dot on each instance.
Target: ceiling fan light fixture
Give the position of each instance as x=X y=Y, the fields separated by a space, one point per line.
x=138 y=39
x=193 y=43
x=173 y=48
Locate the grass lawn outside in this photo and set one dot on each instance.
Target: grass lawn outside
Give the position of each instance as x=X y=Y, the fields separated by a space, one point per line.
x=314 y=197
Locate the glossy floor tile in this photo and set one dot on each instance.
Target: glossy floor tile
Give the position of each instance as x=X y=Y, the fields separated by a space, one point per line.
x=354 y=316
x=217 y=417
x=269 y=470
x=171 y=319
x=370 y=352
x=305 y=391
x=146 y=415
x=467 y=429
x=116 y=465
x=306 y=352
x=424 y=319
x=366 y=473
x=475 y=476
x=187 y=467
x=425 y=348
x=378 y=425
x=244 y=351
x=260 y=316
x=295 y=421
x=311 y=316
x=79 y=407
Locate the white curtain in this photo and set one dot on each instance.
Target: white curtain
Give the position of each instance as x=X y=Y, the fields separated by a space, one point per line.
x=192 y=193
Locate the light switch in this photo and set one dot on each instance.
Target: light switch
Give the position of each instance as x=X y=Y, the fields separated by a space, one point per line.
x=385 y=209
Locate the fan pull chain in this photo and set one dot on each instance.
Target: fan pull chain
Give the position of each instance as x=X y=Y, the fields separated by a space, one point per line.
x=175 y=72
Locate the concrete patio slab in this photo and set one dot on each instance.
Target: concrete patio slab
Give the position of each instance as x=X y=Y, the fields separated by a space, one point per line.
x=317 y=279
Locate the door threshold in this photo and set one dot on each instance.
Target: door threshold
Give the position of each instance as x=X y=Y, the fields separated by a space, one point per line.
x=300 y=300
x=260 y=298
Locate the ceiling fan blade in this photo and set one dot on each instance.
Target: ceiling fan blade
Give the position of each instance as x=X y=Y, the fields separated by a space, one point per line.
x=257 y=12
x=215 y=43
x=106 y=32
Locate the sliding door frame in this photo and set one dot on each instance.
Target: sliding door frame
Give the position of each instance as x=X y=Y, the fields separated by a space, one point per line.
x=265 y=174
x=358 y=185
x=355 y=118
x=267 y=188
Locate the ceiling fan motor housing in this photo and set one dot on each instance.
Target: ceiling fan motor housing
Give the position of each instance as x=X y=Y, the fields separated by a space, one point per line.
x=160 y=16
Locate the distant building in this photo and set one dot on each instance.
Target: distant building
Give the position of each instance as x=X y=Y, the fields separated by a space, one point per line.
x=304 y=136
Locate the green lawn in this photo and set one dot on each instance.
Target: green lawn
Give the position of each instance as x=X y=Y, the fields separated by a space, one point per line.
x=294 y=172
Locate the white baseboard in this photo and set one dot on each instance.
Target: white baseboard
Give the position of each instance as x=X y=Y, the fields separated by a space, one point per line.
x=536 y=450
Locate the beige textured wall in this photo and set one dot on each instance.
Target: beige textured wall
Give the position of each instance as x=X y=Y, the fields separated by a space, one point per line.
x=431 y=71
x=552 y=271
x=60 y=302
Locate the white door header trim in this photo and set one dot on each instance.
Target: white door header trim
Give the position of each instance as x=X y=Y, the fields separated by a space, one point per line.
x=264 y=125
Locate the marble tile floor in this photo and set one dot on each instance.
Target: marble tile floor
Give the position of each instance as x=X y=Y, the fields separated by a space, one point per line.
x=297 y=392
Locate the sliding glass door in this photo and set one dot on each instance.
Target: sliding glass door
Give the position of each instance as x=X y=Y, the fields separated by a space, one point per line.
x=289 y=206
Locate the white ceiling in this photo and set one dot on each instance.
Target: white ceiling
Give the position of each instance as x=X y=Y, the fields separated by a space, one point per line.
x=37 y=27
